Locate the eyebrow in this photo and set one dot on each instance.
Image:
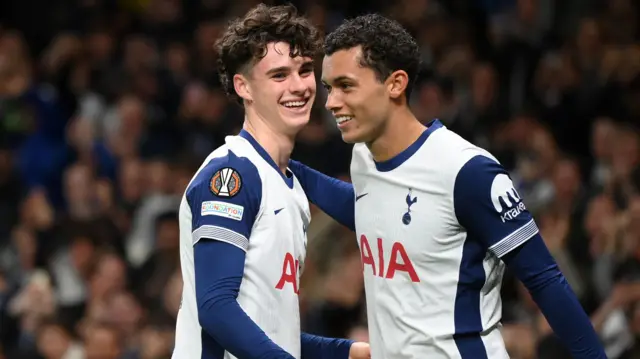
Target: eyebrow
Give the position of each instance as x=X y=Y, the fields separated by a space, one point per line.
x=307 y=63
x=338 y=79
x=278 y=69
x=288 y=68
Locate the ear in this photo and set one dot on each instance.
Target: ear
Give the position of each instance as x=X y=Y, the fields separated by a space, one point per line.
x=241 y=85
x=397 y=83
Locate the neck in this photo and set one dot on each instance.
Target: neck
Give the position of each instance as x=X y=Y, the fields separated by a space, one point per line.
x=277 y=144
x=402 y=129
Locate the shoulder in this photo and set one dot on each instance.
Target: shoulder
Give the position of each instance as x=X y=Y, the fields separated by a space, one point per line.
x=481 y=181
x=483 y=171
x=456 y=156
x=226 y=174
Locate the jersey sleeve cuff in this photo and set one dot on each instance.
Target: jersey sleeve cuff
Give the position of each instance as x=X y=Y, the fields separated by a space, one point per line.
x=515 y=239
x=220 y=234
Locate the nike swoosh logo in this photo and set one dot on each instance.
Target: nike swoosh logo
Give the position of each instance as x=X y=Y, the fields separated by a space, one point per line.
x=360 y=196
x=278 y=210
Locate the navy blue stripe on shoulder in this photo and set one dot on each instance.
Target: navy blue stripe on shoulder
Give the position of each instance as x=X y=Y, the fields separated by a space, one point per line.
x=225 y=198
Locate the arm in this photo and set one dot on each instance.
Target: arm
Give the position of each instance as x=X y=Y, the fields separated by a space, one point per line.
x=336 y=198
x=218 y=272
x=316 y=347
x=490 y=209
x=533 y=265
x=221 y=228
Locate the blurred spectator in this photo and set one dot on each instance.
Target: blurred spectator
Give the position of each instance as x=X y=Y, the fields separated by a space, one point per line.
x=108 y=108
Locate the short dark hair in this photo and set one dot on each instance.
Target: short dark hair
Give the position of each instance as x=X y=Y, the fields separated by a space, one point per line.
x=386 y=46
x=245 y=40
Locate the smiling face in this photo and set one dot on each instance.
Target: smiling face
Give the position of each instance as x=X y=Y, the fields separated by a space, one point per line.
x=359 y=101
x=279 y=89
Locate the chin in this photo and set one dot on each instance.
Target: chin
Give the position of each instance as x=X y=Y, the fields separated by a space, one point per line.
x=348 y=139
x=351 y=138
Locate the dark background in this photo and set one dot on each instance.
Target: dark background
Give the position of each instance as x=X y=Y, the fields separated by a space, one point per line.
x=107 y=108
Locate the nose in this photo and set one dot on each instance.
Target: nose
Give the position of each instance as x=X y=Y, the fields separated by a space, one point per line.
x=297 y=85
x=333 y=103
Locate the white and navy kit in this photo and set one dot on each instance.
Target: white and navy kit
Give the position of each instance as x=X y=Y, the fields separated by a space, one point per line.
x=436 y=225
x=242 y=249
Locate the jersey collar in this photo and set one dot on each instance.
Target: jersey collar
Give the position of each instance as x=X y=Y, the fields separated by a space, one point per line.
x=263 y=153
x=400 y=158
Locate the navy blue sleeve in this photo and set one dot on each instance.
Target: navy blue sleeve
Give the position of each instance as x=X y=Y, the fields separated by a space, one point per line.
x=535 y=267
x=490 y=209
x=335 y=197
x=316 y=347
x=224 y=199
x=488 y=206
x=219 y=267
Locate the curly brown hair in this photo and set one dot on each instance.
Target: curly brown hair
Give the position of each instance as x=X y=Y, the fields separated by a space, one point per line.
x=245 y=40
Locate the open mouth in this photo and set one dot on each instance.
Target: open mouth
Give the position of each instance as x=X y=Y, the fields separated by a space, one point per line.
x=343 y=120
x=293 y=105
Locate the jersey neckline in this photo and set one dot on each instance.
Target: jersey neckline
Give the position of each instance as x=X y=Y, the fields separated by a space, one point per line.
x=402 y=157
x=263 y=153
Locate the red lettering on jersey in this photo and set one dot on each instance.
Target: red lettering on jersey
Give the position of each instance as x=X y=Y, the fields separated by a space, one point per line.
x=365 y=254
x=381 y=258
x=289 y=273
x=406 y=266
x=397 y=250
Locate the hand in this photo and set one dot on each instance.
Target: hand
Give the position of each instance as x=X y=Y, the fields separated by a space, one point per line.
x=360 y=350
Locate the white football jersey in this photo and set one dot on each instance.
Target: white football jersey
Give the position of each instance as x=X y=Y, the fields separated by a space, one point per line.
x=240 y=196
x=432 y=224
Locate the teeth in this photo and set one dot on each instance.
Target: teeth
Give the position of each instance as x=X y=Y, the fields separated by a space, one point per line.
x=295 y=103
x=342 y=119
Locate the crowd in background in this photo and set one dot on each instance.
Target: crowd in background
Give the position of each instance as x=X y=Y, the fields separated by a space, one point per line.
x=108 y=107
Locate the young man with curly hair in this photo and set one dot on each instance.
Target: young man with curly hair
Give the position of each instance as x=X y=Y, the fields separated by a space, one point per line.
x=244 y=216
x=437 y=218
